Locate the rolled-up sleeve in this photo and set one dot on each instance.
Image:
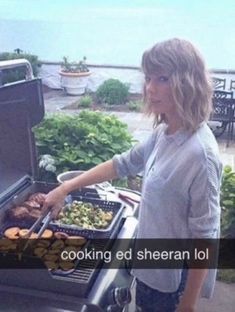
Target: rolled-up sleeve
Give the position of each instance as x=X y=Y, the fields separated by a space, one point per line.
x=204 y=209
x=133 y=161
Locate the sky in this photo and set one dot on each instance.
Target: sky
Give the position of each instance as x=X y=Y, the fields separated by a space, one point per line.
x=209 y=24
x=71 y=9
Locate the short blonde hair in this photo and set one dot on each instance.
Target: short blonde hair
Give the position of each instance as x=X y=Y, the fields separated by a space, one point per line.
x=189 y=79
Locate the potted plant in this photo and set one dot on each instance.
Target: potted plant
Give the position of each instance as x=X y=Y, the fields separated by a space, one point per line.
x=74 y=76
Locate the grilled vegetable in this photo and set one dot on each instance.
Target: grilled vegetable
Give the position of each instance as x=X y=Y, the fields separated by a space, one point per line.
x=85 y=215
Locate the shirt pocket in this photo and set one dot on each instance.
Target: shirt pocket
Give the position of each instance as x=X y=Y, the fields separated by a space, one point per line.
x=155 y=184
x=167 y=191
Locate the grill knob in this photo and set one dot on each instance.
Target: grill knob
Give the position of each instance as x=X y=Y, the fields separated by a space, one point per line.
x=121 y=296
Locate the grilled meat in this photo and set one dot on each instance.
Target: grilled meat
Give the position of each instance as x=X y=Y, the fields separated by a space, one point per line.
x=38 y=197
x=30 y=210
x=31 y=204
x=35 y=214
x=18 y=213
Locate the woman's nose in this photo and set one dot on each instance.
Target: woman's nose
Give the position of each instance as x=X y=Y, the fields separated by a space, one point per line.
x=150 y=88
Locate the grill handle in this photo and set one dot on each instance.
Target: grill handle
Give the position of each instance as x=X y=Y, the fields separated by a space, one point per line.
x=9 y=64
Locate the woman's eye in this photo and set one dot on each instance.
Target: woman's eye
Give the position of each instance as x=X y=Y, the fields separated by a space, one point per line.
x=163 y=78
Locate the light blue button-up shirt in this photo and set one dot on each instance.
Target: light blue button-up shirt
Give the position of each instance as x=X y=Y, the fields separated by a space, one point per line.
x=180 y=193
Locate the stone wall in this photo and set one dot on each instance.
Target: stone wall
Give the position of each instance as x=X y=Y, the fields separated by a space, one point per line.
x=49 y=72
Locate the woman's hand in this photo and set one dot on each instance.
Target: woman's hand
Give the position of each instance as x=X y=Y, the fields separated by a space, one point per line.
x=55 y=200
x=185 y=306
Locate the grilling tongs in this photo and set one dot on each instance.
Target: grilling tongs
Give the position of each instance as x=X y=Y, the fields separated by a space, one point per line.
x=47 y=216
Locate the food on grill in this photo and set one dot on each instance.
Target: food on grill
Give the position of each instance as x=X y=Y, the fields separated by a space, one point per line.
x=57 y=244
x=23 y=232
x=54 y=251
x=31 y=204
x=68 y=249
x=66 y=265
x=19 y=212
x=47 y=234
x=43 y=243
x=61 y=235
x=33 y=236
x=40 y=251
x=34 y=214
x=76 y=241
x=7 y=245
x=38 y=197
x=12 y=232
x=51 y=265
x=29 y=210
x=50 y=251
x=85 y=215
x=16 y=232
x=48 y=257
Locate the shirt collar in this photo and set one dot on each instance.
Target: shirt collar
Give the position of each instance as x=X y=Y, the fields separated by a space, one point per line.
x=179 y=137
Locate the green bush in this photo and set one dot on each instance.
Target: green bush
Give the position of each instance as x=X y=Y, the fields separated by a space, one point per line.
x=85 y=101
x=227 y=202
x=11 y=75
x=81 y=141
x=112 y=92
x=135 y=105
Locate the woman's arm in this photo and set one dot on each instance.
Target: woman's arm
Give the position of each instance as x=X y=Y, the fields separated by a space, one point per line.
x=128 y=163
x=100 y=173
x=195 y=279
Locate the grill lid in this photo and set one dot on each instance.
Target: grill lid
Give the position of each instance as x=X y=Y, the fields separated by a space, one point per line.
x=21 y=108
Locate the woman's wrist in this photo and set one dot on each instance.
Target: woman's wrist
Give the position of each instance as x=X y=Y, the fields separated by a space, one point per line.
x=65 y=188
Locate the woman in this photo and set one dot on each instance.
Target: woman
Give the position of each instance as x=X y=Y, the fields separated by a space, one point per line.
x=182 y=172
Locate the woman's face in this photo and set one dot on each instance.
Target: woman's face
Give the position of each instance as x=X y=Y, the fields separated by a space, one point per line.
x=159 y=95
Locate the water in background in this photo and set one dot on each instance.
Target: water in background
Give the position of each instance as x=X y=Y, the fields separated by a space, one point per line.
x=117 y=35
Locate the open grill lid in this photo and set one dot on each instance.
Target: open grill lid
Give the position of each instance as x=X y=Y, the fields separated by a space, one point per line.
x=21 y=108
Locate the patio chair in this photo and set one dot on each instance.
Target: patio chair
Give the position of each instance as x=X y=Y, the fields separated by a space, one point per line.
x=218 y=83
x=223 y=112
x=232 y=85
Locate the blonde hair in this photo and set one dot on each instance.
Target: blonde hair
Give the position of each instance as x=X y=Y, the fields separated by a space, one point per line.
x=189 y=79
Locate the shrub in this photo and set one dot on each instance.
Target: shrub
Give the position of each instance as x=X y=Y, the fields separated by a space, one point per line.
x=85 y=101
x=79 y=67
x=135 y=105
x=81 y=141
x=11 y=75
x=112 y=92
x=227 y=202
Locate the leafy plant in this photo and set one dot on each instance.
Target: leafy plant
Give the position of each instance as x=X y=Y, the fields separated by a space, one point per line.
x=226 y=275
x=19 y=73
x=82 y=141
x=74 y=67
x=85 y=101
x=47 y=168
x=112 y=91
x=135 y=105
x=227 y=202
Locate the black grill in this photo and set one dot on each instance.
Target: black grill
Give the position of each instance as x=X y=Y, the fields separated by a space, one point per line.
x=80 y=280
x=21 y=108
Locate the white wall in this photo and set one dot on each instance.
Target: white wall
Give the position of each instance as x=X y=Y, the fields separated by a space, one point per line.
x=51 y=78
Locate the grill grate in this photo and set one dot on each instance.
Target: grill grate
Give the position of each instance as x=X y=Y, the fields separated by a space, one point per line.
x=77 y=282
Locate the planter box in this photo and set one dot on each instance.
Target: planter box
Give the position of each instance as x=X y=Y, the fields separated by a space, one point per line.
x=74 y=83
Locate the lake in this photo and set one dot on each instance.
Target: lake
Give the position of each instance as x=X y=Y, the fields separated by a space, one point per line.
x=111 y=33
